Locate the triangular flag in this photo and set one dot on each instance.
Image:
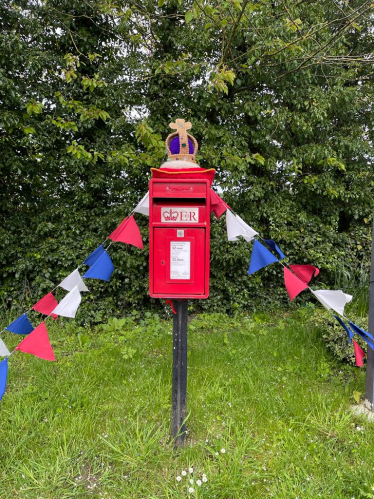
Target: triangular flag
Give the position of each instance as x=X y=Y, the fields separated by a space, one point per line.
x=37 y=343
x=46 y=305
x=349 y=332
x=3 y=349
x=237 y=227
x=305 y=272
x=68 y=306
x=22 y=325
x=261 y=257
x=127 y=232
x=143 y=206
x=91 y=259
x=274 y=247
x=72 y=280
x=3 y=376
x=364 y=334
x=102 y=269
x=217 y=204
x=333 y=299
x=116 y=231
x=249 y=232
x=359 y=354
x=293 y=284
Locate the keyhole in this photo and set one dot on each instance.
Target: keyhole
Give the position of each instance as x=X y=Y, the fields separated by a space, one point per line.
x=162 y=262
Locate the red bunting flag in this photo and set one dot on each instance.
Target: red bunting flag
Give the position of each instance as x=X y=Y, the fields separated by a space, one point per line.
x=359 y=354
x=37 y=343
x=127 y=232
x=293 y=284
x=305 y=272
x=217 y=204
x=46 y=305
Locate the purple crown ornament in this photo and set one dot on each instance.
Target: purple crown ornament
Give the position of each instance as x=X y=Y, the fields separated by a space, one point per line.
x=180 y=145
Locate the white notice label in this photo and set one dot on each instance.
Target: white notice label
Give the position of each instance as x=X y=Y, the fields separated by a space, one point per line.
x=180 y=259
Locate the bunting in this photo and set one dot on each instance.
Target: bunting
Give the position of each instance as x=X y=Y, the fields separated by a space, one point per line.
x=68 y=306
x=143 y=205
x=237 y=227
x=46 y=305
x=127 y=232
x=333 y=299
x=3 y=376
x=3 y=349
x=359 y=354
x=261 y=257
x=274 y=247
x=22 y=325
x=364 y=334
x=344 y=325
x=37 y=343
x=305 y=272
x=217 y=204
x=95 y=255
x=293 y=284
x=73 y=280
x=102 y=269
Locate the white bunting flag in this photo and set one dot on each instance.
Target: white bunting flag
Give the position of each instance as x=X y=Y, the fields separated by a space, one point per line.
x=72 y=280
x=68 y=306
x=143 y=206
x=4 y=352
x=333 y=299
x=237 y=227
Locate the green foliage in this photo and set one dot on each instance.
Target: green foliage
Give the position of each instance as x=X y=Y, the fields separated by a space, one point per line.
x=279 y=96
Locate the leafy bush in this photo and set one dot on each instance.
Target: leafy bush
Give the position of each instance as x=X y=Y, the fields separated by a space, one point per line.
x=334 y=336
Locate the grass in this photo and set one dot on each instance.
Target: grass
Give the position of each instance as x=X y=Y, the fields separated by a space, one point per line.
x=268 y=414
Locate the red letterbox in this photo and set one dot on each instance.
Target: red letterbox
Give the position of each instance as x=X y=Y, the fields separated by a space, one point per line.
x=179 y=217
x=179 y=247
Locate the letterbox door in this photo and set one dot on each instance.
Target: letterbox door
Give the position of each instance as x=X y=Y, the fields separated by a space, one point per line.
x=179 y=261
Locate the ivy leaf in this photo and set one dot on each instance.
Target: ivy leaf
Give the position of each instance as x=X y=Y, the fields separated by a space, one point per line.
x=29 y=129
x=259 y=158
x=188 y=16
x=357 y=396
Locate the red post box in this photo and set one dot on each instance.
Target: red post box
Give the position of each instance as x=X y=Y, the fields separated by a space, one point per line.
x=179 y=217
x=179 y=220
x=179 y=248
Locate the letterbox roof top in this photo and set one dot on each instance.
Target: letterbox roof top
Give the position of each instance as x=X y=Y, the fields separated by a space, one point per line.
x=180 y=145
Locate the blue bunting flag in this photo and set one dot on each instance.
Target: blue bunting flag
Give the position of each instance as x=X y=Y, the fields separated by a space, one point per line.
x=274 y=247
x=344 y=325
x=364 y=334
x=261 y=257
x=102 y=268
x=3 y=376
x=22 y=325
x=95 y=255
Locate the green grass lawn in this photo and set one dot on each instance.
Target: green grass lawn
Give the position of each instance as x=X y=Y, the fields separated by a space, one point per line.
x=269 y=414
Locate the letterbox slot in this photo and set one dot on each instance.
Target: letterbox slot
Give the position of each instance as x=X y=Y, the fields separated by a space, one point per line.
x=189 y=202
x=179 y=189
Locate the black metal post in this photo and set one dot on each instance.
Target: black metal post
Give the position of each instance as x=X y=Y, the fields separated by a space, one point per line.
x=179 y=388
x=369 y=393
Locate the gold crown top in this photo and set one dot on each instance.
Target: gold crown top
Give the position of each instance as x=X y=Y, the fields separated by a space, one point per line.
x=186 y=147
